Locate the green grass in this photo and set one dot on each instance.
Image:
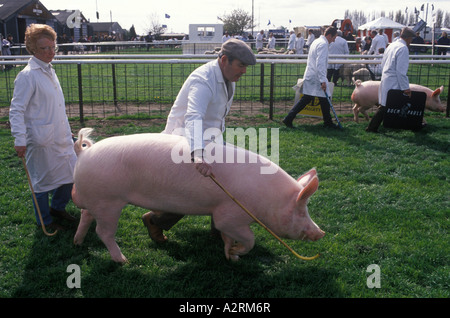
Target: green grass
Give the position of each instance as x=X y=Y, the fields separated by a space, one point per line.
x=383 y=199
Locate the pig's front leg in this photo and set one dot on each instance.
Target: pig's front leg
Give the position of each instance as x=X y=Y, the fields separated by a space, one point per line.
x=238 y=241
x=83 y=227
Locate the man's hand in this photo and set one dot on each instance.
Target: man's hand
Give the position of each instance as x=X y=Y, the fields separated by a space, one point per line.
x=324 y=86
x=20 y=151
x=200 y=164
x=407 y=92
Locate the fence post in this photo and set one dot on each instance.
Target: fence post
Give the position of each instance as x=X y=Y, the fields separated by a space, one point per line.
x=80 y=94
x=272 y=83
x=113 y=66
x=261 y=84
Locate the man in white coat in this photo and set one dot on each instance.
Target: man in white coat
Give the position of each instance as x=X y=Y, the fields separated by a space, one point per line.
x=299 y=43
x=315 y=82
x=202 y=104
x=259 y=40
x=40 y=127
x=394 y=67
x=291 y=43
x=378 y=42
x=339 y=46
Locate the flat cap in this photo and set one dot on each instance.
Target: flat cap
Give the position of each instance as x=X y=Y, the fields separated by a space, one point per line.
x=239 y=50
x=407 y=33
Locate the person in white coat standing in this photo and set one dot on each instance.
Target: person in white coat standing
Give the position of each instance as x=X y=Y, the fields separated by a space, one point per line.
x=291 y=42
x=299 y=44
x=202 y=104
x=339 y=46
x=40 y=127
x=394 y=68
x=315 y=82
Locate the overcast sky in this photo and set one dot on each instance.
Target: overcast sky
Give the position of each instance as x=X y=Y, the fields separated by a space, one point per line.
x=185 y=12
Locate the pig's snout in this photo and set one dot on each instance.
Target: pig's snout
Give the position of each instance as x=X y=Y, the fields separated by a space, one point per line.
x=314 y=234
x=317 y=235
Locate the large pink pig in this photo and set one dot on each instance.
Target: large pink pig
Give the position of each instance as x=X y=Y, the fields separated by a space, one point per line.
x=365 y=96
x=140 y=170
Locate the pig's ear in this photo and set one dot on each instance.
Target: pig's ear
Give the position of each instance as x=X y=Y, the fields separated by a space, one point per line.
x=305 y=178
x=308 y=191
x=438 y=91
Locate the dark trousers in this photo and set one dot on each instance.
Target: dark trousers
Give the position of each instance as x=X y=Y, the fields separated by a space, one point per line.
x=305 y=100
x=60 y=197
x=333 y=74
x=377 y=119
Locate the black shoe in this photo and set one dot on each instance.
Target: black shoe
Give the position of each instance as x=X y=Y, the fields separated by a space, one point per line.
x=287 y=122
x=331 y=125
x=62 y=214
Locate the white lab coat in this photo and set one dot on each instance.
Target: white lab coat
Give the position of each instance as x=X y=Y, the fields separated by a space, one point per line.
x=339 y=46
x=259 y=40
x=271 y=42
x=204 y=99
x=291 y=43
x=378 y=42
x=394 y=67
x=39 y=122
x=316 y=68
x=299 y=44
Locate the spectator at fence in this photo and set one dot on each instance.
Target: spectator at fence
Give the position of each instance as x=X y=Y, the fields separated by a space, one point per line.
x=40 y=127
x=443 y=40
x=225 y=37
x=394 y=69
x=367 y=44
x=202 y=103
x=64 y=40
x=417 y=40
x=315 y=79
x=6 y=49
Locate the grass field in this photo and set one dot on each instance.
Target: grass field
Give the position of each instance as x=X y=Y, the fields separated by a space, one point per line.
x=383 y=199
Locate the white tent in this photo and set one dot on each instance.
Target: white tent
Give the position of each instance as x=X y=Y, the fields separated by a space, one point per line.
x=381 y=23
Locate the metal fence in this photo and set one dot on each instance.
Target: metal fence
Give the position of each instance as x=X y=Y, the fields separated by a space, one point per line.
x=103 y=85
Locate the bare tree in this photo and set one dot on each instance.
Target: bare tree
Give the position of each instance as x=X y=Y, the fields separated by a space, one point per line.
x=237 y=21
x=154 y=25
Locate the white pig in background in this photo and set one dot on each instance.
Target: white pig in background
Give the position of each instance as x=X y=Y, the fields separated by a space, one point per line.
x=365 y=96
x=139 y=170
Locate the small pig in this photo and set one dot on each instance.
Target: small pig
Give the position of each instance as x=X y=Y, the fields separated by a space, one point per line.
x=362 y=74
x=141 y=170
x=347 y=70
x=365 y=96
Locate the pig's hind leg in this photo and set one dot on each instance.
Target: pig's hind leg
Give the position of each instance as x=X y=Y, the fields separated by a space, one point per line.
x=107 y=221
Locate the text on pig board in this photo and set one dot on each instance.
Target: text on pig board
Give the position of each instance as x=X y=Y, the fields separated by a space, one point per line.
x=215 y=152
